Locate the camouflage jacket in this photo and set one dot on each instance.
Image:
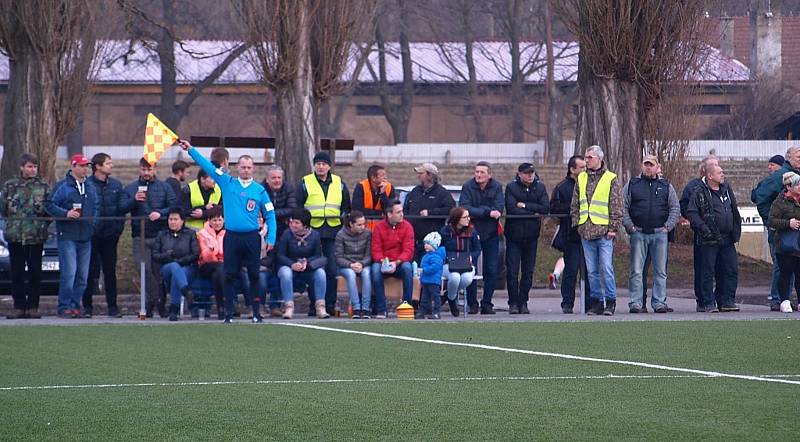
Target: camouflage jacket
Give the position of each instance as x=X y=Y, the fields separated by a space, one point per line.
x=590 y=230
x=24 y=198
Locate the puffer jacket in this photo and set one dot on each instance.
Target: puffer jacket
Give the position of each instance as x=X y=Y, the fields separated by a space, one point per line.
x=481 y=202
x=180 y=247
x=783 y=209
x=589 y=230
x=351 y=248
x=160 y=198
x=25 y=198
x=432 y=265
x=114 y=201
x=285 y=201
x=290 y=250
x=211 y=250
x=769 y=189
x=393 y=242
x=67 y=193
x=714 y=216
x=536 y=202
x=456 y=243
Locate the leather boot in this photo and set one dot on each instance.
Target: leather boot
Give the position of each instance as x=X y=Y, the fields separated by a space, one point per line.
x=453 y=307
x=34 y=313
x=288 y=310
x=610 y=307
x=320 y=308
x=173 y=312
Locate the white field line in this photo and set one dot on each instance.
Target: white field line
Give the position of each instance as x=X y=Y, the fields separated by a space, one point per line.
x=548 y=354
x=359 y=381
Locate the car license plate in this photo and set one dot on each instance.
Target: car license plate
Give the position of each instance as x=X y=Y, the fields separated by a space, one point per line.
x=50 y=266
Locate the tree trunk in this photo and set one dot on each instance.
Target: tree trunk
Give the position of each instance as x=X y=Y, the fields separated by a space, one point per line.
x=555 y=139
x=397 y=115
x=472 y=76
x=296 y=125
x=610 y=115
x=29 y=125
x=75 y=139
x=166 y=58
x=517 y=100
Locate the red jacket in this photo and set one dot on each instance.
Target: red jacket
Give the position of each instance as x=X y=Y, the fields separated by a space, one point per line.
x=393 y=242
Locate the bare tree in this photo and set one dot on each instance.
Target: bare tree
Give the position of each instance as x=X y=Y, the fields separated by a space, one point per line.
x=667 y=132
x=301 y=48
x=329 y=123
x=161 y=35
x=630 y=50
x=765 y=105
x=51 y=47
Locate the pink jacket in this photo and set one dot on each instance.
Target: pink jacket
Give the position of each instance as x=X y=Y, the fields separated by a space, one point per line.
x=210 y=245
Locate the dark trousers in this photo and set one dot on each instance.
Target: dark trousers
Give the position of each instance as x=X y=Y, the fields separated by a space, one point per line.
x=431 y=293
x=698 y=273
x=520 y=262
x=329 y=250
x=20 y=255
x=720 y=265
x=490 y=249
x=573 y=262
x=241 y=250
x=215 y=271
x=104 y=255
x=789 y=266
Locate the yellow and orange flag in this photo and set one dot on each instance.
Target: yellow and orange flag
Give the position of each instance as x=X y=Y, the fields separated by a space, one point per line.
x=157 y=139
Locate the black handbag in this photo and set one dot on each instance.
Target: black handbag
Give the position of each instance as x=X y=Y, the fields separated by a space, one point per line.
x=789 y=243
x=461 y=263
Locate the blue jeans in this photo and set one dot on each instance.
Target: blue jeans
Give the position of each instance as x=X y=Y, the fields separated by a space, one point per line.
x=315 y=281
x=599 y=254
x=176 y=277
x=457 y=282
x=430 y=295
x=656 y=245
x=490 y=248
x=349 y=276
x=403 y=272
x=269 y=284
x=73 y=259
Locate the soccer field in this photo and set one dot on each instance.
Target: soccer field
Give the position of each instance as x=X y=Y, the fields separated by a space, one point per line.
x=450 y=381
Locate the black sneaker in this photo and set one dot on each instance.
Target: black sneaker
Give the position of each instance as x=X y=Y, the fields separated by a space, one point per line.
x=113 y=312
x=523 y=309
x=566 y=310
x=729 y=308
x=635 y=310
x=434 y=316
x=162 y=311
x=513 y=309
x=596 y=309
x=453 y=307
x=228 y=320
x=774 y=307
x=488 y=310
x=662 y=309
x=473 y=310
x=419 y=315
x=257 y=319
x=87 y=313
x=611 y=306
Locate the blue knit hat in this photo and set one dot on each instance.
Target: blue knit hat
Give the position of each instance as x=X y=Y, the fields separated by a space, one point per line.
x=434 y=239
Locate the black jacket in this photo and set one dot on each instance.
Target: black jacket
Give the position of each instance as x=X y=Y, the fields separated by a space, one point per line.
x=648 y=202
x=180 y=247
x=480 y=202
x=688 y=192
x=114 y=201
x=160 y=198
x=714 y=216
x=535 y=199
x=436 y=200
x=289 y=251
x=284 y=201
x=358 y=200
x=560 y=204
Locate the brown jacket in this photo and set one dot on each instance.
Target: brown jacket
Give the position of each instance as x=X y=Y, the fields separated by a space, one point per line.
x=589 y=230
x=782 y=210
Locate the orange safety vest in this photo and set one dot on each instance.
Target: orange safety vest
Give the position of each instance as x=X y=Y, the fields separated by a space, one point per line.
x=374 y=205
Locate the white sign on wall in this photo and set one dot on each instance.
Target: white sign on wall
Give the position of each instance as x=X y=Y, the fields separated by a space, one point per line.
x=751 y=220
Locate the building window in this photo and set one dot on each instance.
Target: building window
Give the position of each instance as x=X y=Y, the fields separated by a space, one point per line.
x=369 y=110
x=714 y=109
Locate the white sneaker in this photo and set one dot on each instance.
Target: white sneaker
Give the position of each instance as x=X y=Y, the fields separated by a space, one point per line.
x=786 y=306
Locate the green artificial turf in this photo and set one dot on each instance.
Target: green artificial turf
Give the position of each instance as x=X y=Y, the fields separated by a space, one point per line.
x=400 y=401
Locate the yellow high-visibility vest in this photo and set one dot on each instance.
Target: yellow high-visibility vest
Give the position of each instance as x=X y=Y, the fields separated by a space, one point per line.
x=597 y=209
x=196 y=200
x=324 y=208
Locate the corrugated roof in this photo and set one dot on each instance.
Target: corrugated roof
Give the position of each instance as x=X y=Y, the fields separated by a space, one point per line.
x=432 y=63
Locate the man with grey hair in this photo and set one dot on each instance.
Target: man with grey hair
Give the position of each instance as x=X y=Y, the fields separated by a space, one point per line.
x=597 y=212
x=427 y=205
x=764 y=195
x=688 y=191
x=281 y=193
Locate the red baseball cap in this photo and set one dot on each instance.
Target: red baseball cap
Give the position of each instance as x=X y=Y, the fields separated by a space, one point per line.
x=80 y=160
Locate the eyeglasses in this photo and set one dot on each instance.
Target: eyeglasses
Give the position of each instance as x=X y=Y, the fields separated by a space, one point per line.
x=465 y=217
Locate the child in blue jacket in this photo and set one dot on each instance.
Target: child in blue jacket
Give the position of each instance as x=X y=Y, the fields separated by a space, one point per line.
x=431 y=278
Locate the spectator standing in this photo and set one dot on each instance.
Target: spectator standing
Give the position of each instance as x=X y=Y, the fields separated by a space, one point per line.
x=176 y=252
x=326 y=197
x=525 y=196
x=25 y=197
x=74 y=198
x=650 y=210
x=392 y=252
x=114 y=202
x=686 y=196
x=717 y=226
x=597 y=212
x=567 y=239
x=354 y=258
x=153 y=199
x=200 y=196
x=431 y=277
x=211 y=239
x=180 y=170
x=462 y=243
x=784 y=217
x=427 y=205
x=764 y=195
x=371 y=195
x=301 y=264
x=483 y=197
x=282 y=195
x=244 y=200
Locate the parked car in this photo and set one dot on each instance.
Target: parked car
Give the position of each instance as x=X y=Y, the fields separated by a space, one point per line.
x=455 y=191
x=50 y=267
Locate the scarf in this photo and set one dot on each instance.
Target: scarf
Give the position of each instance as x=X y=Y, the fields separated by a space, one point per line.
x=302 y=236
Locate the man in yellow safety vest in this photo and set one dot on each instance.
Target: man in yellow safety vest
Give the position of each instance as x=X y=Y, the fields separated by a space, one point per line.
x=325 y=195
x=198 y=197
x=597 y=212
